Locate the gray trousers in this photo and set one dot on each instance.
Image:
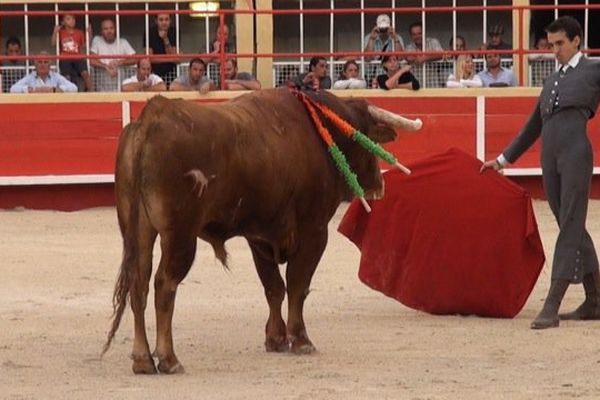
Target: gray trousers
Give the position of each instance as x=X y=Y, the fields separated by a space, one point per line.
x=567 y=164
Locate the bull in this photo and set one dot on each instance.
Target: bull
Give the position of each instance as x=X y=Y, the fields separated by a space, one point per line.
x=253 y=167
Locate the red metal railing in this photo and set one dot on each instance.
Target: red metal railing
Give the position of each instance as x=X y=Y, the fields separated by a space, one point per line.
x=520 y=51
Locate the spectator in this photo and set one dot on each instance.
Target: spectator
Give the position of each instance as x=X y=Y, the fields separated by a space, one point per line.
x=542 y=44
x=383 y=38
x=195 y=79
x=144 y=80
x=496 y=42
x=461 y=43
x=374 y=83
x=431 y=44
x=14 y=69
x=464 y=75
x=162 y=41
x=349 y=78
x=12 y=49
x=235 y=80
x=106 y=70
x=541 y=64
x=396 y=77
x=214 y=49
x=316 y=77
x=495 y=75
x=71 y=41
x=42 y=80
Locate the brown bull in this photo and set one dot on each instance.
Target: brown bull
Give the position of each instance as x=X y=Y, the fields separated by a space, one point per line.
x=253 y=167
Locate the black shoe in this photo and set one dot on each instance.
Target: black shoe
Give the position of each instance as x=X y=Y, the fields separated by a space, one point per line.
x=590 y=308
x=548 y=317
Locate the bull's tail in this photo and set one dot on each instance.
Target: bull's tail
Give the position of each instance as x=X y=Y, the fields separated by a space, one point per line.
x=122 y=287
x=128 y=176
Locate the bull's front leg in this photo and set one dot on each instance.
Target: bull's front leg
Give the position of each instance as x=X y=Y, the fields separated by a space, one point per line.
x=268 y=271
x=300 y=269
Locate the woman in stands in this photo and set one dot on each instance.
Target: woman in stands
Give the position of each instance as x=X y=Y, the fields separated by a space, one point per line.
x=396 y=77
x=464 y=75
x=349 y=77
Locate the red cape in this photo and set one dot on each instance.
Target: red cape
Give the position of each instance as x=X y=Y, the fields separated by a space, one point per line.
x=448 y=239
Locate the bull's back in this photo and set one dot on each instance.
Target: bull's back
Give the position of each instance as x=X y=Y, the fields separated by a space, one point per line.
x=257 y=156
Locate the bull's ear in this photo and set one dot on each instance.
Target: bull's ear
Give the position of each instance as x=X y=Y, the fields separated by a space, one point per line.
x=381 y=133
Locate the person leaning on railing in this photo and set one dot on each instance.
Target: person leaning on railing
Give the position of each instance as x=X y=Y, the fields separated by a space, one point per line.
x=495 y=75
x=195 y=79
x=464 y=75
x=42 y=80
x=106 y=70
x=144 y=80
x=349 y=77
x=396 y=77
x=316 y=78
x=235 y=80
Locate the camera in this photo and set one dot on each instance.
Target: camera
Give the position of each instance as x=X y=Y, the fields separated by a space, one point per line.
x=382 y=30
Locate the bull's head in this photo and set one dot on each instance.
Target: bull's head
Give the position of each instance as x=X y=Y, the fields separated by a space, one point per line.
x=380 y=126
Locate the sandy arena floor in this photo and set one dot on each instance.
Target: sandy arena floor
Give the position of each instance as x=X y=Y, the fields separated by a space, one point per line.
x=56 y=281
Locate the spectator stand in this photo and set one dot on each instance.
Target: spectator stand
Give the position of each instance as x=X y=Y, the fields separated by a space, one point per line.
x=440 y=19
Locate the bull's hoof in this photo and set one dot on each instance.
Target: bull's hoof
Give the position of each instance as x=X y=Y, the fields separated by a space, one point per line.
x=170 y=367
x=302 y=346
x=277 y=345
x=143 y=365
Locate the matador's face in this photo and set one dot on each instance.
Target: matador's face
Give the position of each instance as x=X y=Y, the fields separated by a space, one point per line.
x=564 y=48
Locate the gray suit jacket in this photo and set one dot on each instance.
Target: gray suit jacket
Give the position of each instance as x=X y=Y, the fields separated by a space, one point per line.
x=579 y=88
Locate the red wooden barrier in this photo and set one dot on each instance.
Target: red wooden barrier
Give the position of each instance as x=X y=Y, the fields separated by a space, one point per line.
x=58 y=139
x=80 y=138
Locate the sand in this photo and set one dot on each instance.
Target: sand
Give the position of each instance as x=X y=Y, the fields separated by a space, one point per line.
x=57 y=275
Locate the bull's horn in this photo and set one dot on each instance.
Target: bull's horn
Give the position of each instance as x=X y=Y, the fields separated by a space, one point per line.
x=395 y=120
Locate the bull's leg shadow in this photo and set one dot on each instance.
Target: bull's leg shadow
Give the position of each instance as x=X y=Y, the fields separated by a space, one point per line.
x=268 y=271
x=300 y=269
x=178 y=252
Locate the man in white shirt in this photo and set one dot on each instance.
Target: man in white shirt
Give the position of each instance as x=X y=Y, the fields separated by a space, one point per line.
x=42 y=80
x=144 y=80
x=106 y=70
x=431 y=44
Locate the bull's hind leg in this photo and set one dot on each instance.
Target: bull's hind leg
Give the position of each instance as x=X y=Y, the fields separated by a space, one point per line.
x=268 y=271
x=142 y=359
x=178 y=251
x=300 y=269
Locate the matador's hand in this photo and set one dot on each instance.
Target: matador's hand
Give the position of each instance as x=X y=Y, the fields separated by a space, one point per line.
x=491 y=164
